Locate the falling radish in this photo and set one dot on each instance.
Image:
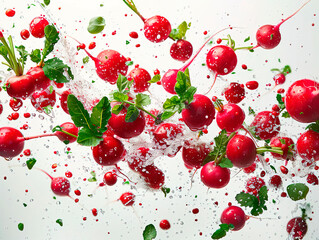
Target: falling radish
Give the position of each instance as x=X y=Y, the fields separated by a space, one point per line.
x=60 y=185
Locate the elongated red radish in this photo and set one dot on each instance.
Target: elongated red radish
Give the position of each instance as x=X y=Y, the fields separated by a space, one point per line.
x=182 y=50
x=37 y=26
x=194 y=153
x=214 y=176
x=266 y=124
x=286 y=144
x=308 y=146
x=153 y=176
x=302 y=101
x=199 y=114
x=268 y=36
x=234 y=215
x=140 y=79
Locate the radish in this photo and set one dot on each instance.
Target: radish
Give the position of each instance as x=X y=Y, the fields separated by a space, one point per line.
x=312 y=179
x=42 y=82
x=229 y=117
x=199 y=114
x=268 y=36
x=214 y=176
x=125 y=129
x=110 y=178
x=25 y=34
x=127 y=199
x=139 y=159
x=235 y=92
x=266 y=125
x=297 y=228
x=20 y=86
x=43 y=100
x=182 y=50
x=254 y=184
x=156 y=28
x=11 y=142
x=194 y=153
x=308 y=146
x=37 y=26
x=252 y=85
x=305 y=92
x=165 y=225
x=64 y=101
x=275 y=181
x=286 y=144
x=68 y=132
x=234 y=215
x=109 y=151
x=60 y=185
x=140 y=78
x=153 y=176
x=15 y=104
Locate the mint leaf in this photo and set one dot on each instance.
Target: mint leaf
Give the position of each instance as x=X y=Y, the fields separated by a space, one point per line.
x=35 y=55
x=131 y=114
x=225 y=163
x=101 y=114
x=149 y=232
x=179 y=32
x=21 y=226
x=59 y=221
x=96 y=25
x=117 y=109
x=30 y=163
x=297 y=191
x=93 y=178
x=54 y=69
x=142 y=100
x=88 y=138
x=155 y=79
x=122 y=83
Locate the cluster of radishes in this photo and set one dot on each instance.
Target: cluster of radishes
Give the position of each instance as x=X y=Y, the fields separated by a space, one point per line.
x=124 y=116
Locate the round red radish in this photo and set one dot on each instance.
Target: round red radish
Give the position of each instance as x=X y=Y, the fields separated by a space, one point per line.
x=140 y=79
x=42 y=82
x=165 y=225
x=182 y=50
x=312 y=179
x=139 y=159
x=302 y=101
x=109 y=151
x=11 y=142
x=267 y=125
x=194 y=153
x=199 y=114
x=276 y=181
x=268 y=36
x=241 y=151
x=43 y=99
x=308 y=146
x=286 y=144
x=169 y=80
x=69 y=128
x=230 y=118
x=254 y=184
x=153 y=176
x=25 y=34
x=110 y=178
x=15 y=104
x=221 y=59
x=214 y=176
x=234 y=215
x=235 y=93
x=37 y=26
x=60 y=186
x=64 y=101
x=157 y=29
x=297 y=228
x=127 y=199
x=20 y=86
x=279 y=78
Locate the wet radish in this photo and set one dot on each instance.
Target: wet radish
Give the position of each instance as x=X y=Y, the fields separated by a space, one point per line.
x=297 y=228
x=15 y=104
x=308 y=146
x=194 y=153
x=11 y=142
x=25 y=34
x=286 y=144
x=127 y=199
x=68 y=132
x=64 y=101
x=139 y=159
x=140 y=79
x=214 y=176
x=110 y=178
x=59 y=185
x=37 y=26
x=20 y=86
x=235 y=93
x=42 y=100
x=182 y=50
x=229 y=116
x=41 y=81
x=254 y=184
x=266 y=124
x=234 y=215
x=153 y=176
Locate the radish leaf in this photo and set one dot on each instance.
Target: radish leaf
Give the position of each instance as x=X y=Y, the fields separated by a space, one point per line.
x=96 y=25
x=149 y=232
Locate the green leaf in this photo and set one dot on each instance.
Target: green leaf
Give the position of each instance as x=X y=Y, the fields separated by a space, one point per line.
x=246 y=199
x=149 y=232
x=3 y=50
x=263 y=195
x=297 y=191
x=120 y=97
x=225 y=163
x=131 y=114
x=155 y=79
x=247 y=39
x=172 y=103
x=280 y=102
x=167 y=114
x=46 y=2
x=51 y=89
x=30 y=163
x=181 y=84
x=88 y=138
x=79 y=115
x=129 y=63
x=210 y=157
x=251 y=111
x=59 y=221
x=101 y=114
x=96 y=25
x=189 y=94
x=93 y=178
x=54 y=69
x=117 y=109
x=142 y=100
x=286 y=70
x=275 y=70
x=35 y=55
x=285 y=115
x=85 y=59
x=221 y=232
x=51 y=38
x=179 y=32
x=21 y=226
x=165 y=190
x=122 y=83
x=313 y=127
x=23 y=53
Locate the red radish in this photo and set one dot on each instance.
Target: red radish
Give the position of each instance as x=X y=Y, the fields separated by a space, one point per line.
x=165 y=225
x=305 y=92
x=139 y=159
x=169 y=78
x=234 y=215
x=165 y=136
x=266 y=124
x=156 y=28
x=127 y=199
x=150 y=121
x=125 y=129
x=20 y=86
x=286 y=144
x=214 y=176
x=194 y=153
x=110 y=178
x=235 y=93
x=308 y=146
x=37 y=26
x=25 y=34
x=10 y=12
x=11 y=142
x=42 y=99
x=199 y=114
x=268 y=36
x=297 y=228
x=312 y=179
x=41 y=81
x=64 y=101
x=140 y=79
x=250 y=169
x=276 y=181
x=133 y=35
x=254 y=184
x=109 y=151
x=279 y=79
x=68 y=133
x=61 y=186
x=182 y=50
x=15 y=104
x=1 y=108
x=252 y=85
x=230 y=117
x=153 y=176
